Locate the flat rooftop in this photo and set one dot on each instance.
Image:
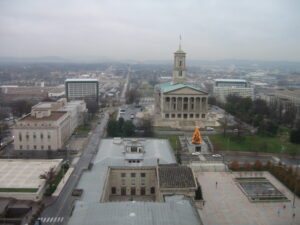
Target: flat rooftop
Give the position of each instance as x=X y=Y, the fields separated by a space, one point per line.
x=22 y=173
x=231 y=80
x=90 y=211
x=81 y=80
x=176 y=177
x=54 y=116
x=226 y=204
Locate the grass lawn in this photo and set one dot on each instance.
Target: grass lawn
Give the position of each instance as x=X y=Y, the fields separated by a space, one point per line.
x=163 y=128
x=85 y=129
x=255 y=143
x=173 y=139
x=28 y=190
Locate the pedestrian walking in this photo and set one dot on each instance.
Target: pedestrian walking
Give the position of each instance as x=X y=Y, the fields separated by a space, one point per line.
x=216 y=184
x=278 y=212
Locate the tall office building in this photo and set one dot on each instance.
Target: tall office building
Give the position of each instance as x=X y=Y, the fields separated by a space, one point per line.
x=225 y=87
x=82 y=89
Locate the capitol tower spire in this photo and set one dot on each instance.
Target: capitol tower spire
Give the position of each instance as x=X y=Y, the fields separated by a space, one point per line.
x=179 y=68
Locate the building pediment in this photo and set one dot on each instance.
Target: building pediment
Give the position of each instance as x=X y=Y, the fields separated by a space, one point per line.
x=186 y=91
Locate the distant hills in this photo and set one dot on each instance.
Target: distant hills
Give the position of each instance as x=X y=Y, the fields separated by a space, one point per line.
x=263 y=64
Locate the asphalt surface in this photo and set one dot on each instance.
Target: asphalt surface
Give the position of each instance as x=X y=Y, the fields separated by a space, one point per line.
x=228 y=158
x=129 y=110
x=59 y=211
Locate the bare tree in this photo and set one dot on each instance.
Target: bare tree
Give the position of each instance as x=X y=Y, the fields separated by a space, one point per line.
x=49 y=176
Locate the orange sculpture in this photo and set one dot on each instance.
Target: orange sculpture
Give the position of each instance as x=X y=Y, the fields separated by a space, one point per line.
x=197 y=139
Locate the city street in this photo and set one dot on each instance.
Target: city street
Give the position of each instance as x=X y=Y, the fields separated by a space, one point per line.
x=59 y=211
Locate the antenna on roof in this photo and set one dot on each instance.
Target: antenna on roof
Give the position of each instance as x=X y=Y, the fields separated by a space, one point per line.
x=179 y=41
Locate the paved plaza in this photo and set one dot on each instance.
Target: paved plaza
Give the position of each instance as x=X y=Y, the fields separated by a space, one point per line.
x=225 y=203
x=19 y=173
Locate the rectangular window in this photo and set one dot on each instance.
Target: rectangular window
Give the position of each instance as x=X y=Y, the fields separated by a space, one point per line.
x=178 y=115
x=191 y=115
x=132 y=181
x=173 y=115
x=49 y=147
x=34 y=136
x=132 y=191
x=123 y=174
x=167 y=115
x=143 y=174
x=197 y=115
x=152 y=190
x=143 y=191
x=203 y=115
x=133 y=149
x=21 y=147
x=42 y=135
x=42 y=147
x=123 y=190
x=113 y=190
x=132 y=174
x=34 y=147
x=49 y=136
x=20 y=136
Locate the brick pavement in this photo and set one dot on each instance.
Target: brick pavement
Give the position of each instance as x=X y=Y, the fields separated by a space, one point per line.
x=227 y=205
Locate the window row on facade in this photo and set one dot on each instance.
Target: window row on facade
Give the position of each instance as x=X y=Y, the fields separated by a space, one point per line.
x=132 y=191
x=184 y=116
x=33 y=136
x=35 y=147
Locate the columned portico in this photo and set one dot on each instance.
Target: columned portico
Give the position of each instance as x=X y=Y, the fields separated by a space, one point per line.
x=179 y=101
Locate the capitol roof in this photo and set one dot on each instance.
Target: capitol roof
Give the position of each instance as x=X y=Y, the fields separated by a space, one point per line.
x=169 y=86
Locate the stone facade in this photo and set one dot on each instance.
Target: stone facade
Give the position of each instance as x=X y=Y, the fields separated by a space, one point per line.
x=179 y=101
x=49 y=125
x=130 y=182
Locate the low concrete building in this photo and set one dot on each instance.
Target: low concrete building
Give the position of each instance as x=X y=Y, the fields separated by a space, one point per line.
x=42 y=130
x=224 y=87
x=20 y=179
x=124 y=186
x=49 y=125
x=82 y=89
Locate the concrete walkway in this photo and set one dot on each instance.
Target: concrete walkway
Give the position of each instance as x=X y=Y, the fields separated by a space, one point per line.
x=225 y=204
x=62 y=183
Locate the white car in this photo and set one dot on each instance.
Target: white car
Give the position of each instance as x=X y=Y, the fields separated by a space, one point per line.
x=196 y=153
x=132 y=116
x=216 y=155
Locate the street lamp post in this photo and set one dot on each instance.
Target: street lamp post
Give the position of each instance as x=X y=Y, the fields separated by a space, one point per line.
x=294 y=196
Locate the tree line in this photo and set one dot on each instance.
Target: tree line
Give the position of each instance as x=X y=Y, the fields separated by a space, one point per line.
x=122 y=128
x=265 y=117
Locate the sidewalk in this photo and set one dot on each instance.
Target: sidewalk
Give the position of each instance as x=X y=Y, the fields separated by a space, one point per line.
x=63 y=182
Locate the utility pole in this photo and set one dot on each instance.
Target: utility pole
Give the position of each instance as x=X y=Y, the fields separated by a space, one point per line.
x=294 y=196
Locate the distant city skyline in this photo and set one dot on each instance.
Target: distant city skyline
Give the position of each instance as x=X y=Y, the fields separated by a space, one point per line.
x=150 y=29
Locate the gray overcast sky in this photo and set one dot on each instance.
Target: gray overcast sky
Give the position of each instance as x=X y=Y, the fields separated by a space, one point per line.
x=149 y=29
